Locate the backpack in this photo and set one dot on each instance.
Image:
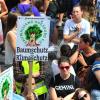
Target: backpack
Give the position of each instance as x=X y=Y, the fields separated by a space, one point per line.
x=52 y=9
x=98 y=32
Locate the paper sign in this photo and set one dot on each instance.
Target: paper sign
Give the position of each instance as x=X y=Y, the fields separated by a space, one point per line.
x=17 y=97
x=32 y=38
x=6 y=84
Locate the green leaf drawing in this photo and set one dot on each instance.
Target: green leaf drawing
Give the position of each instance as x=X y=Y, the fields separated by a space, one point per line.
x=5 y=87
x=35 y=29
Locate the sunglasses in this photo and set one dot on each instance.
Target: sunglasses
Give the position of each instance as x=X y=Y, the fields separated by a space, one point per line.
x=82 y=98
x=65 y=67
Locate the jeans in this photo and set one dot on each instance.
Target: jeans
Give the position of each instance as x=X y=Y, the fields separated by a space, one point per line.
x=52 y=26
x=95 y=94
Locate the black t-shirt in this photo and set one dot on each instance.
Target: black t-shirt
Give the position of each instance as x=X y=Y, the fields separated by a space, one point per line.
x=64 y=87
x=89 y=60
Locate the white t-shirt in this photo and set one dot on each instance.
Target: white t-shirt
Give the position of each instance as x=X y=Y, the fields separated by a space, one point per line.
x=56 y=70
x=9 y=53
x=70 y=27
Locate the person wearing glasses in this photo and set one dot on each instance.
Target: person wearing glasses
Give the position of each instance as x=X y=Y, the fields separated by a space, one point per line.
x=64 y=83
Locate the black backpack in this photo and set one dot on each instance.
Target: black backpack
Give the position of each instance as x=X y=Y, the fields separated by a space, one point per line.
x=98 y=32
x=52 y=9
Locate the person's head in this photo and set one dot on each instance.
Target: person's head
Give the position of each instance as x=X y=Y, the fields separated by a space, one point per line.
x=81 y=94
x=11 y=21
x=65 y=50
x=39 y=5
x=85 y=41
x=28 y=13
x=77 y=13
x=64 y=65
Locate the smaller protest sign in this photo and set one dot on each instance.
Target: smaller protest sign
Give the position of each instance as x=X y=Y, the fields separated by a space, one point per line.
x=6 y=84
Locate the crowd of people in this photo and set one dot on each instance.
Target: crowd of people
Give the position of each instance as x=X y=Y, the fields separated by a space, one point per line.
x=75 y=63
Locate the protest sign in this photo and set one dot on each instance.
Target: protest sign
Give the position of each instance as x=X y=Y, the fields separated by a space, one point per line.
x=6 y=84
x=32 y=38
x=17 y=97
x=32 y=41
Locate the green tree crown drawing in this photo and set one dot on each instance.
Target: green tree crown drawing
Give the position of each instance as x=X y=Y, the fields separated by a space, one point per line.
x=35 y=29
x=5 y=86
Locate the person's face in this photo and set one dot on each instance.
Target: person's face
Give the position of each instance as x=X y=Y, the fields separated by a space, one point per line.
x=83 y=96
x=82 y=44
x=64 y=68
x=77 y=13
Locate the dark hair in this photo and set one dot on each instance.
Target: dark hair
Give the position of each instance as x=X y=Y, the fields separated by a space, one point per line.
x=86 y=3
x=11 y=21
x=28 y=13
x=63 y=59
x=39 y=5
x=65 y=50
x=75 y=96
x=77 y=5
x=87 y=39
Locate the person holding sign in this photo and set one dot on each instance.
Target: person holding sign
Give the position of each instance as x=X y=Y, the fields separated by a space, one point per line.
x=21 y=73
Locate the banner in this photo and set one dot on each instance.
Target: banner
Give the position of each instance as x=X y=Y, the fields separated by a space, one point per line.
x=6 y=84
x=32 y=38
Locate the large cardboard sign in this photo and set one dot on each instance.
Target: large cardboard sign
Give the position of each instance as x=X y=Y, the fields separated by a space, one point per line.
x=32 y=38
x=6 y=84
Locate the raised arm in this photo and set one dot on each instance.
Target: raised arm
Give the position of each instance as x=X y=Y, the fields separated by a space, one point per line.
x=52 y=92
x=4 y=9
